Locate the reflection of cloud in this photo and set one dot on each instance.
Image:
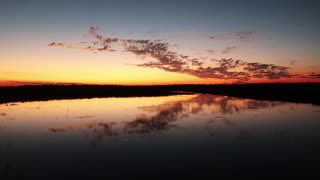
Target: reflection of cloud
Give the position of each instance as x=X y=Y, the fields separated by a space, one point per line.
x=144 y=124
x=95 y=131
x=168 y=60
x=165 y=115
x=57 y=129
x=173 y=111
x=6 y=116
x=227 y=121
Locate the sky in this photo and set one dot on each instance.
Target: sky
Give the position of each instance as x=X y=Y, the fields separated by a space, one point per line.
x=159 y=42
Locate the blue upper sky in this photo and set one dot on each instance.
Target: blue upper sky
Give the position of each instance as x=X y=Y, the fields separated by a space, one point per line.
x=284 y=30
x=287 y=17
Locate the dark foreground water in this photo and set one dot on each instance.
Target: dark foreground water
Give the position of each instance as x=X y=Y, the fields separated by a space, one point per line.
x=173 y=136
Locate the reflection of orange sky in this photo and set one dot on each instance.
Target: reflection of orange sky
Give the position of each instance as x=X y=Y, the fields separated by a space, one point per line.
x=116 y=116
x=41 y=115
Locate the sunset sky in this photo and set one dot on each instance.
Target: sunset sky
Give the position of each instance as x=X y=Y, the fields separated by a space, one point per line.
x=159 y=42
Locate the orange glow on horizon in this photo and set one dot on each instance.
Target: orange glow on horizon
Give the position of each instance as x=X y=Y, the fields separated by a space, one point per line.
x=73 y=67
x=4 y=83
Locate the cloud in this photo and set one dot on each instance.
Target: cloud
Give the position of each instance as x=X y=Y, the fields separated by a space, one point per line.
x=314 y=75
x=57 y=44
x=196 y=62
x=103 y=40
x=65 y=45
x=102 y=43
x=211 y=51
x=270 y=71
x=292 y=62
x=165 y=59
x=244 y=36
x=228 y=50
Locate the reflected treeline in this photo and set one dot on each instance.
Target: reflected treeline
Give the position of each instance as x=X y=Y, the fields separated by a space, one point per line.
x=165 y=114
x=5 y=116
x=2 y=116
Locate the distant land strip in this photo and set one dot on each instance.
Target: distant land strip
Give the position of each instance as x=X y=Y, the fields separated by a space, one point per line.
x=289 y=92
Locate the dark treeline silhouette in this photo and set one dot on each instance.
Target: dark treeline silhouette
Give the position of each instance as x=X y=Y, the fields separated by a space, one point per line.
x=290 y=92
x=293 y=92
x=50 y=92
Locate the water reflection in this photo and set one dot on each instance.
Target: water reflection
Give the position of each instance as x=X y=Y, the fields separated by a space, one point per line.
x=179 y=110
x=211 y=111
x=94 y=131
x=95 y=134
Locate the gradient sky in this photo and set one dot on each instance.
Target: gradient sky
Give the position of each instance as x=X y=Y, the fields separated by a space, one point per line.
x=225 y=41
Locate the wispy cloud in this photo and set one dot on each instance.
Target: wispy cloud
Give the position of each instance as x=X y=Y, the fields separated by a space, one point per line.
x=270 y=71
x=292 y=62
x=228 y=50
x=314 y=75
x=65 y=45
x=244 y=36
x=57 y=44
x=211 y=51
x=168 y=60
x=240 y=36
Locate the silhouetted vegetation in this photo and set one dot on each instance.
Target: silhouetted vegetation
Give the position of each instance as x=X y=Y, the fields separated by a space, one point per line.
x=295 y=92
x=50 y=92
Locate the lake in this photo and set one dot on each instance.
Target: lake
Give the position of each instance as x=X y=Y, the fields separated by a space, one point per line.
x=167 y=136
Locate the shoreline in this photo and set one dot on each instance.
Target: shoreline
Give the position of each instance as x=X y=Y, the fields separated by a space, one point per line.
x=297 y=92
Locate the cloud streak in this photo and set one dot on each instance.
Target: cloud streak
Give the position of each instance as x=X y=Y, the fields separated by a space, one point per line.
x=228 y=50
x=65 y=45
x=314 y=75
x=165 y=59
x=244 y=36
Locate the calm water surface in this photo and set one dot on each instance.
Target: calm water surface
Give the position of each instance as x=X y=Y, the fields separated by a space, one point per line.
x=157 y=136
